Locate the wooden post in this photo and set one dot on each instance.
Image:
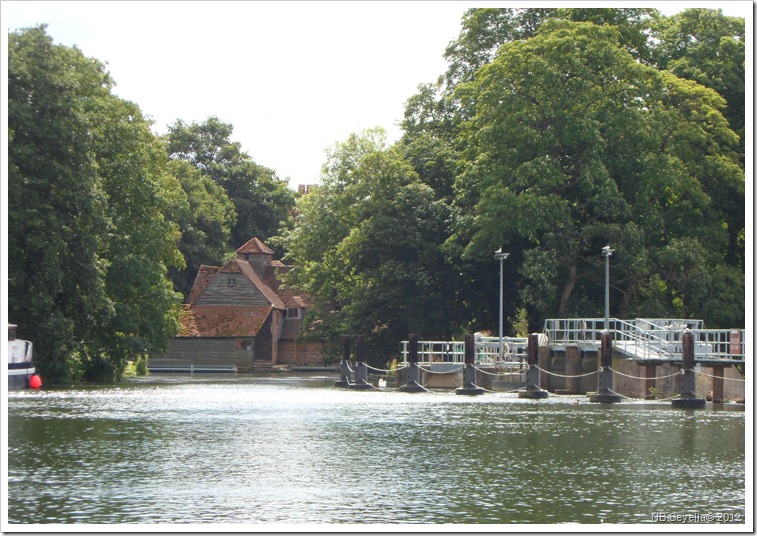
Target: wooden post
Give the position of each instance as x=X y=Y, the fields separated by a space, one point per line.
x=533 y=381
x=361 y=373
x=469 y=372
x=412 y=385
x=718 y=372
x=688 y=397
x=604 y=392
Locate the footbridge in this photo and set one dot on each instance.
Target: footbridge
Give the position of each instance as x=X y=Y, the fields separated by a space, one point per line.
x=650 y=340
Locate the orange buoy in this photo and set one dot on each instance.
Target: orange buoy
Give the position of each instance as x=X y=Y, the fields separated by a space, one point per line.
x=35 y=382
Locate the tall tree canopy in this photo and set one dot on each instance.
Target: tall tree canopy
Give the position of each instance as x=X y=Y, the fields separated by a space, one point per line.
x=553 y=133
x=366 y=245
x=88 y=243
x=261 y=200
x=574 y=144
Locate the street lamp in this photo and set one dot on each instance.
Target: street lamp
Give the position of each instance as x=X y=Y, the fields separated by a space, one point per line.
x=606 y=252
x=500 y=256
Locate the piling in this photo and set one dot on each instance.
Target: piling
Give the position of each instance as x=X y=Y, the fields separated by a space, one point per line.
x=413 y=373
x=533 y=379
x=688 y=397
x=344 y=369
x=604 y=392
x=718 y=372
x=469 y=372
x=361 y=372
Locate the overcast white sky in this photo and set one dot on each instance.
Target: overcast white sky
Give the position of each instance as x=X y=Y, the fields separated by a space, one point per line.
x=293 y=78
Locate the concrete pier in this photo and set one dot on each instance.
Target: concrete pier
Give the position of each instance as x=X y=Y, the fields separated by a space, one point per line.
x=469 y=372
x=688 y=397
x=533 y=375
x=605 y=394
x=412 y=385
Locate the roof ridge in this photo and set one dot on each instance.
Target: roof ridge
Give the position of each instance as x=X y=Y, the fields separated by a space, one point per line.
x=254 y=245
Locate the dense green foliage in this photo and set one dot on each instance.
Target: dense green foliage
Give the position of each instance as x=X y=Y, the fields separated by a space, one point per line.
x=105 y=221
x=553 y=133
x=368 y=244
x=231 y=198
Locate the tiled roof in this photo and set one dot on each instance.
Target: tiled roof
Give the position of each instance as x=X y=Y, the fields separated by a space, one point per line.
x=240 y=320
x=254 y=245
x=222 y=321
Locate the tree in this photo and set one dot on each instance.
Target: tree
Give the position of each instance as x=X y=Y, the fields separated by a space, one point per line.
x=261 y=200
x=707 y=47
x=485 y=30
x=366 y=246
x=204 y=215
x=56 y=206
x=574 y=144
x=139 y=244
x=87 y=235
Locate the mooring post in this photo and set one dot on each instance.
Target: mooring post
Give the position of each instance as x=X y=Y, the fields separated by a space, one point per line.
x=688 y=397
x=469 y=371
x=533 y=379
x=361 y=372
x=344 y=368
x=718 y=372
x=412 y=385
x=604 y=392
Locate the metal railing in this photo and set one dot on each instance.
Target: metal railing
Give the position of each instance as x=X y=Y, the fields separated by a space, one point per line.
x=432 y=353
x=646 y=338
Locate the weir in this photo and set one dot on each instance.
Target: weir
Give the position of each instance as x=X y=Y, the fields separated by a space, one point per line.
x=643 y=358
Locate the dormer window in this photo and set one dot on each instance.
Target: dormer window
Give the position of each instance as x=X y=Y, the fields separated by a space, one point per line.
x=293 y=312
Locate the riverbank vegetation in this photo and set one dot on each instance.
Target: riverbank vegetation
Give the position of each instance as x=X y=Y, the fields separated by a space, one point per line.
x=553 y=133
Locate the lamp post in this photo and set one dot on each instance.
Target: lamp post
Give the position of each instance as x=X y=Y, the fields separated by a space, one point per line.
x=500 y=256
x=606 y=252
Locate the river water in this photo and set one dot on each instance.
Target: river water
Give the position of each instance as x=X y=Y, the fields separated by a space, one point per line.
x=297 y=450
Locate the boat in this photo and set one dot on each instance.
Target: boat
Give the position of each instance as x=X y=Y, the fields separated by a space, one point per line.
x=21 y=372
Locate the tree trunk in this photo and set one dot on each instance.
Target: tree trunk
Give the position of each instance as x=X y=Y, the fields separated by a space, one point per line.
x=567 y=290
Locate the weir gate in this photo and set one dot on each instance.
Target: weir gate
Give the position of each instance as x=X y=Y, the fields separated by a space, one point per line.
x=645 y=358
x=640 y=339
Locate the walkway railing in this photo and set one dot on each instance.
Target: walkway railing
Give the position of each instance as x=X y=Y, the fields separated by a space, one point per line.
x=436 y=353
x=645 y=338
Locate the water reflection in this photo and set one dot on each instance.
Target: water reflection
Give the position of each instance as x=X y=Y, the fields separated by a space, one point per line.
x=298 y=450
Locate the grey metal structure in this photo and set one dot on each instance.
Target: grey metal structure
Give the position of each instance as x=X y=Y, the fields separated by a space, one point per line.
x=653 y=339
